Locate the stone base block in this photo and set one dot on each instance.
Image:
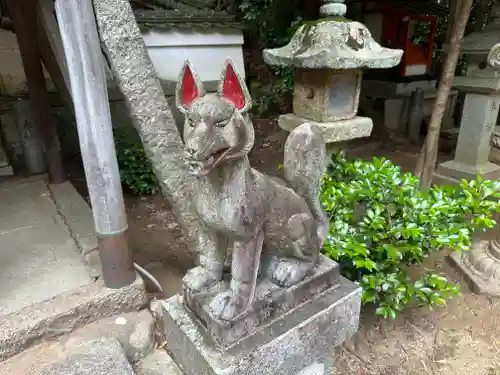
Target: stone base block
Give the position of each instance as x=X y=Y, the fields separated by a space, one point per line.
x=480 y=267
x=451 y=172
x=337 y=131
x=300 y=342
x=270 y=302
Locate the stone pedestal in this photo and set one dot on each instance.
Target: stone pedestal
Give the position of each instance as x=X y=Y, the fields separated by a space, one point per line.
x=290 y=331
x=481 y=266
x=473 y=147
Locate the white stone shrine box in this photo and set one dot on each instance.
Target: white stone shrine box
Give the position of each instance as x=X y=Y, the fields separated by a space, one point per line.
x=189 y=29
x=482 y=101
x=197 y=30
x=329 y=55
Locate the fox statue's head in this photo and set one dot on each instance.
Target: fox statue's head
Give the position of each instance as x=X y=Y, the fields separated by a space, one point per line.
x=217 y=128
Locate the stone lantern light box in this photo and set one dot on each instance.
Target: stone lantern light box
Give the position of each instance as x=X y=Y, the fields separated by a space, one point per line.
x=329 y=55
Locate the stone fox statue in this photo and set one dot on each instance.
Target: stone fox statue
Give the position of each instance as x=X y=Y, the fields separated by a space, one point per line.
x=264 y=226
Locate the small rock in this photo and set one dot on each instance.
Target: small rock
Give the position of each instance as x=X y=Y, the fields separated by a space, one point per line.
x=151 y=226
x=134 y=331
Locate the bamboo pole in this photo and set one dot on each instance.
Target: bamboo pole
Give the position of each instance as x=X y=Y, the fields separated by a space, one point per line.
x=90 y=98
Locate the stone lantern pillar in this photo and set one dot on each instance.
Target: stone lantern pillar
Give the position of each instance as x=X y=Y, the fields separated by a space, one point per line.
x=329 y=55
x=479 y=117
x=481 y=265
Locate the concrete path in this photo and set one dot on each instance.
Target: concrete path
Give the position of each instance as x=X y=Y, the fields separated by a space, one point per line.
x=39 y=259
x=49 y=266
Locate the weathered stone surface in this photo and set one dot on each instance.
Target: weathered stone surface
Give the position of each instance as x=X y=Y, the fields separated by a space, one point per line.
x=270 y=302
x=134 y=332
x=96 y=357
x=333 y=44
x=148 y=107
x=481 y=267
x=77 y=214
x=66 y=312
x=333 y=132
x=473 y=148
x=39 y=257
x=324 y=95
x=157 y=363
x=451 y=172
x=286 y=346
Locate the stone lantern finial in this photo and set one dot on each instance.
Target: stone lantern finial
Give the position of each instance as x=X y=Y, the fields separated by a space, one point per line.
x=333 y=8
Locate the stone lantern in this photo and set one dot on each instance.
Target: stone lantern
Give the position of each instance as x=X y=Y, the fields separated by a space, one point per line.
x=329 y=55
x=479 y=117
x=481 y=265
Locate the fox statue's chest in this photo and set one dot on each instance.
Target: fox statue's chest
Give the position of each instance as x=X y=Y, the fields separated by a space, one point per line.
x=229 y=212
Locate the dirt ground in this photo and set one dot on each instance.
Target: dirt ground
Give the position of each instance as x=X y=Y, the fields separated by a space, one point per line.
x=462 y=338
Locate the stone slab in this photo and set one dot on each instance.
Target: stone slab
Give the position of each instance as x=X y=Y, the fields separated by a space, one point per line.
x=131 y=330
x=77 y=214
x=157 y=363
x=66 y=312
x=288 y=345
x=271 y=301
x=39 y=258
x=96 y=357
x=479 y=281
x=338 y=131
x=451 y=172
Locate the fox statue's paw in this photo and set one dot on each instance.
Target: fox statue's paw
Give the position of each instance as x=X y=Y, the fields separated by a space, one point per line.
x=287 y=272
x=230 y=304
x=201 y=278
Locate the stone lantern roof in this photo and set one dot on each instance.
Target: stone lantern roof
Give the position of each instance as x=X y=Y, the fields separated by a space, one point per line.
x=333 y=42
x=480 y=42
x=182 y=14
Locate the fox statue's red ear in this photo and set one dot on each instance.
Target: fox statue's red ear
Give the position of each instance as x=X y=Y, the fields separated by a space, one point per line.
x=233 y=88
x=189 y=87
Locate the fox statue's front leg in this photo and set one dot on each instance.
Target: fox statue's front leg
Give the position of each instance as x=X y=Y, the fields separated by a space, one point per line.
x=212 y=256
x=244 y=271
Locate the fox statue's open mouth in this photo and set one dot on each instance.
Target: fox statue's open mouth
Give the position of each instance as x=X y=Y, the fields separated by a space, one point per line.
x=201 y=168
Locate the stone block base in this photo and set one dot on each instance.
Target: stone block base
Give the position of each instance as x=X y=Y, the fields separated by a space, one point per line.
x=336 y=131
x=451 y=172
x=270 y=302
x=480 y=267
x=300 y=342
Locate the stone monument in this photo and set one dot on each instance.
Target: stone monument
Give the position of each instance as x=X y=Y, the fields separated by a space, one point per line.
x=480 y=112
x=481 y=265
x=329 y=55
x=263 y=300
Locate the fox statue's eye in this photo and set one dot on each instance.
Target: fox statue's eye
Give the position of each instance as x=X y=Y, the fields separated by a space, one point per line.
x=221 y=124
